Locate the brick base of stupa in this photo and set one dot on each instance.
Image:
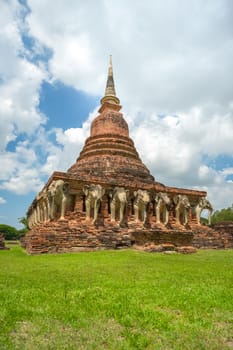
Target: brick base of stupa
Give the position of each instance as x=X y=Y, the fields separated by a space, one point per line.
x=217 y=237
x=68 y=236
x=2 y=243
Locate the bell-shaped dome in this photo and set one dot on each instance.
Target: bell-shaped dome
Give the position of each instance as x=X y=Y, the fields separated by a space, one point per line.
x=109 y=154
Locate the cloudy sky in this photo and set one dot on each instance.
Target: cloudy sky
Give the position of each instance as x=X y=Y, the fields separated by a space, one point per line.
x=173 y=70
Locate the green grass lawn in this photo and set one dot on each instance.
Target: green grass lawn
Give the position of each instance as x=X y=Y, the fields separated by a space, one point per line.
x=116 y=300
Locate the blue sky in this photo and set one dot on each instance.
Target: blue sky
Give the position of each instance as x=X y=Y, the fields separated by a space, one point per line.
x=173 y=73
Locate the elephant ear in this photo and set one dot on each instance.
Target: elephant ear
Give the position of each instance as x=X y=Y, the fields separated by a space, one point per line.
x=201 y=201
x=86 y=189
x=66 y=187
x=49 y=194
x=176 y=199
x=209 y=204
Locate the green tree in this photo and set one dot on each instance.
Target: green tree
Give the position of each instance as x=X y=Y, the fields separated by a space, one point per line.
x=9 y=232
x=225 y=214
x=24 y=222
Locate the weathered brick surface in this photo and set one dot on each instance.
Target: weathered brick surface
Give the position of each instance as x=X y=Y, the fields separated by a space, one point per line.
x=68 y=237
x=225 y=229
x=2 y=243
x=167 y=248
x=109 y=154
x=216 y=238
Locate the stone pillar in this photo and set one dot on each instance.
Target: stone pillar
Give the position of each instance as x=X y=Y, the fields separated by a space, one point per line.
x=104 y=207
x=79 y=202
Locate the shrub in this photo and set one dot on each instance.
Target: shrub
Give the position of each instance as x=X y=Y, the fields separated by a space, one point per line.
x=9 y=232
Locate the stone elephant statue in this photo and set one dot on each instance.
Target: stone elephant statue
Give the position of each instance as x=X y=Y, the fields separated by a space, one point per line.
x=43 y=206
x=31 y=214
x=39 y=208
x=57 y=196
x=119 y=199
x=141 y=205
x=94 y=195
x=182 y=207
x=201 y=205
x=163 y=205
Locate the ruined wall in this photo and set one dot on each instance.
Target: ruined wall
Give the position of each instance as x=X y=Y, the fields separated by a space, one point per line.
x=67 y=236
x=2 y=243
x=216 y=237
x=226 y=230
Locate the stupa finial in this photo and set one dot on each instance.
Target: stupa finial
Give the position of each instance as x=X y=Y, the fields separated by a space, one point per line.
x=110 y=92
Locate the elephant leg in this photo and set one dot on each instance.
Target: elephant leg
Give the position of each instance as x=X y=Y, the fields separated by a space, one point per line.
x=96 y=210
x=35 y=217
x=158 y=215
x=44 y=212
x=136 y=211
x=198 y=215
x=122 y=209
x=48 y=210
x=209 y=217
x=113 y=211
x=63 y=208
x=38 y=214
x=88 y=210
x=52 y=212
x=178 y=215
x=144 y=215
x=166 y=216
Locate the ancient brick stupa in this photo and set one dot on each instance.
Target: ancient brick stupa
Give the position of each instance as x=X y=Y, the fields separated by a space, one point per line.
x=109 y=199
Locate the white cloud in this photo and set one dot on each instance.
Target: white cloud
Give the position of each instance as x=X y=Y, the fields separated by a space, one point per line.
x=20 y=79
x=69 y=144
x=227 y=171
x=23 y=183
x=178 y=53
x=172 y=147
x=19 y=97
x=2 y=200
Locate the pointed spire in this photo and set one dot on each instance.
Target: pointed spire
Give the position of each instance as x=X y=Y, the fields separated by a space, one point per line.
x=110 y=88
x=110 y=93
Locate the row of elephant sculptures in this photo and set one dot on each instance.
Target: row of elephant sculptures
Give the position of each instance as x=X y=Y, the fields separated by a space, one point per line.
x=52 y=203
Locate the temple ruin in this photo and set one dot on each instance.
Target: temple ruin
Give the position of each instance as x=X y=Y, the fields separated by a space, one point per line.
x=108 y=199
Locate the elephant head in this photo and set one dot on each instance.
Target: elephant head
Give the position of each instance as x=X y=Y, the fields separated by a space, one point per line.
x=94 y=195
x=141 y=204
x=181 y=200
x=162 y=197
x=57 y=196
x=119 y=198
x=203 y=203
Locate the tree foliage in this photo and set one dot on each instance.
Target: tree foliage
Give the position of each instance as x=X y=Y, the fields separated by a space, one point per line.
x=24 y=222
x=225 y=214
x=9 y=232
